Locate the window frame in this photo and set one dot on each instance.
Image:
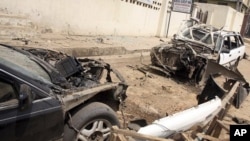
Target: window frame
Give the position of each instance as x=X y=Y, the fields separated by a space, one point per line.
x=14 y=102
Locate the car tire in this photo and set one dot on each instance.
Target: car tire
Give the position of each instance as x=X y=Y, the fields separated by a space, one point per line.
x=94 y=121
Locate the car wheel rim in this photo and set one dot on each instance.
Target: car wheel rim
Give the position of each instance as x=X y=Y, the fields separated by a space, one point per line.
x=95 y=130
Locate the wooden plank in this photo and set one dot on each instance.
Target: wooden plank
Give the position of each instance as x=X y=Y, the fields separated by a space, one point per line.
x=213 y=127
x=113 y=137
x=121 y=138
x=226 y=103
x=222 y=124
x=207 y=137
x=117 y=137
x=217 y=129
x=186 y=137
x=225 y=106
x=229 y=122
x=137 y=135
x=230 y=94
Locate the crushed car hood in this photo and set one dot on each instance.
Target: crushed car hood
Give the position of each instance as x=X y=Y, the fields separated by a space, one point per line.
x=73 y=72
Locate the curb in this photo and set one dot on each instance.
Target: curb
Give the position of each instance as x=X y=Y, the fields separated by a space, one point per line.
x=246 y=40
x=97 y=51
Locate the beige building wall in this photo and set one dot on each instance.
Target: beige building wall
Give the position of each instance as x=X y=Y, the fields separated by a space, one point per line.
x=240 y=5
x=237 y=21
x=170 y=21
x=222 y=16
x=91 y=17
x=246 y=2
x=176 y=20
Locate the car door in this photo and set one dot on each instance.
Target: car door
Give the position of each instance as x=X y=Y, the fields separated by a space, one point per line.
x=36 y=116
x=224 y=51
x=240 y=49
x=232 y=49
x=236 y=50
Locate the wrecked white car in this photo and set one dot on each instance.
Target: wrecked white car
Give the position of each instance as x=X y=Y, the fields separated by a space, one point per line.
x=196 y=44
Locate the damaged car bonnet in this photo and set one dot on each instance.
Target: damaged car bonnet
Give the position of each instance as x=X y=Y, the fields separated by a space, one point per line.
x=75 y=80
x=58 y=93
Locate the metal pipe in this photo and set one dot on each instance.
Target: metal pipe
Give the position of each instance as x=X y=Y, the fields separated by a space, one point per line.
x=184 y=120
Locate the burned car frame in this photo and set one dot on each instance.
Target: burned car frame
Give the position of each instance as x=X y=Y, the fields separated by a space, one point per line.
x=49 y=95
x=195 y=44
x=220 y=81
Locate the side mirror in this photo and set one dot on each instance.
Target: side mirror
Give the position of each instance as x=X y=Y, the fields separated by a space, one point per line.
x=225 y=50
x=25 y=96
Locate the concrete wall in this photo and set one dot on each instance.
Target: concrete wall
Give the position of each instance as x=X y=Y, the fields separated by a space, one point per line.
x=246 y=2
x=176 y=20
x=237 y=21
x=161 y=30
x=91 y=17
x=222 y=16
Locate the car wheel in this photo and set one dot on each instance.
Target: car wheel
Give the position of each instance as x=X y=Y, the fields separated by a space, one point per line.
x=93 y=122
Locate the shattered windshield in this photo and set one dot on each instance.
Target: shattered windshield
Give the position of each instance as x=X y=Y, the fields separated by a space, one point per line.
x=198 y=32
x=23 y=64
x=200 y=36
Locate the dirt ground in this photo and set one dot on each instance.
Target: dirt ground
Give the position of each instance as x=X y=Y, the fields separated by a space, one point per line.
x=152 y=96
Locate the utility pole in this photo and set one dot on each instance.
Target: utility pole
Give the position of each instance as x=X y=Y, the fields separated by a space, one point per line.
x=169 y=17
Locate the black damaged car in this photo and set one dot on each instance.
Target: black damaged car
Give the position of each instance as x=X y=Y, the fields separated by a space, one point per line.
x=48 y=95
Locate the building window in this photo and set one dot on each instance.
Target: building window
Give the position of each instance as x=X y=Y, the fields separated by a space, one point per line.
x=203 y=1
x=222 y=3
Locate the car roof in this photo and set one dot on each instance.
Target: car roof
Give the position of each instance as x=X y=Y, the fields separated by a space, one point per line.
x=225 y=33
x=208 y=28
x=194 y=31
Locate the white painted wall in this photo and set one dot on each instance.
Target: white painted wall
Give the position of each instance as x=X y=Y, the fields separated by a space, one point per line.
x=245 y=2
x=176 y=20
x=222 y=16
x=89 y=17
x=115 y=17
x=163 y=20
x=237 y=21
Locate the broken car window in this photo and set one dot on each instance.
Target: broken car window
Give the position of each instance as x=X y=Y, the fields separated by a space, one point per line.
x=218 y=43
x=23 y=64
x=201 y=34
x=226 y=44
x=6 y=91
x=198 y=34
x=187 y=34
